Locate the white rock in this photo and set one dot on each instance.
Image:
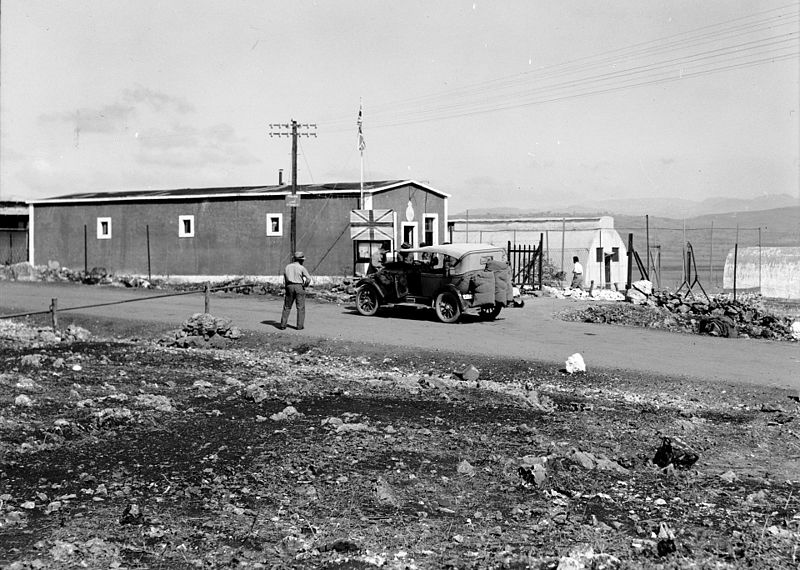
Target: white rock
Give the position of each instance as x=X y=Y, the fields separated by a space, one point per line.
x=575 y=364
x=796 y=330
x=23 y=401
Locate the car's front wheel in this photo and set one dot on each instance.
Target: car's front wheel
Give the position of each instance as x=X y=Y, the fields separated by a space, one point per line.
x=367 y=301
x=447 y=308
x=490 y=312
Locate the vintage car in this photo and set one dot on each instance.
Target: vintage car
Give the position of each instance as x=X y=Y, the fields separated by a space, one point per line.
x=451 y=279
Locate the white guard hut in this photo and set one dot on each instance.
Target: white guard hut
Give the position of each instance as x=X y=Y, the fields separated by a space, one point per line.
x=593 y=240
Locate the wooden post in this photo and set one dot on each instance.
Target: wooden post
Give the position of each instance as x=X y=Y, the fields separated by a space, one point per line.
x=541 y=243
x=735 y=262
x=54 y=313
x=711 y=256
x=149 y=272
x=85 y=252
x=207 y=296
x=630 y=261
x=759 y=259
x=647 y=234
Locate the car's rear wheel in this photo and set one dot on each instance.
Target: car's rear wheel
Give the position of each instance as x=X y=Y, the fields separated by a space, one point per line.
x=490 y=312
x=447 y=308
x=367 y=301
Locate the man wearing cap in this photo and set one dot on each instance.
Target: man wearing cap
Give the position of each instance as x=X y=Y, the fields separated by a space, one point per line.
x=295 y=278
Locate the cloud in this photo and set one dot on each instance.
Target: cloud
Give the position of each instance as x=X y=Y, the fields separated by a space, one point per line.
x=115 y=116
x=155 y=100
x=186 y=146
x=108 y=119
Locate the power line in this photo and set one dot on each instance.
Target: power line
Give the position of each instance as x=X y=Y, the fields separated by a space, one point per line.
x=519 y=90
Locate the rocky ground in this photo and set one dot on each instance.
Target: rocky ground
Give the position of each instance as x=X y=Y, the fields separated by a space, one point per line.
x=719 y=315
x=276 y=453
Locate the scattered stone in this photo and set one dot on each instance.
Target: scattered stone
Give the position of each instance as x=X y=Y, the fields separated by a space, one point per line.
x=385 y=493
x=575 y=364
x=679 y=456
x=666 y=540
x=32 y=360
x=131 y=515
x=465 y=468
x=160 y=403
x=533 y=471
x=468 y=373
x=287 y=413
x=203 y=330
x=23 y=401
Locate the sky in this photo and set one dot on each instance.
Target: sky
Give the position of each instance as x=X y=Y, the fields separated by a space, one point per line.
x=520 y=103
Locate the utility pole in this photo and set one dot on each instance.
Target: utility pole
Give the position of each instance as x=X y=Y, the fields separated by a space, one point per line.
x=291 y=130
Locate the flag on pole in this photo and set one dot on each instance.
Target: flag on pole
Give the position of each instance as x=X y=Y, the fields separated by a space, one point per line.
x=362 y=145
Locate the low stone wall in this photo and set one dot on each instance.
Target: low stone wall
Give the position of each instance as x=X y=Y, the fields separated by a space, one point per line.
x=775 y=270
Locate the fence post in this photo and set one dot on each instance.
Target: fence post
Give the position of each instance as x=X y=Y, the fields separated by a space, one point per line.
x=54 y=313
x=759 y=259
x=630 y=261
x=735 y=260
x=647 y=235
x=149 y=272
x=85 y=252
x=541 y=244
x=711 y=257
x=207 y=299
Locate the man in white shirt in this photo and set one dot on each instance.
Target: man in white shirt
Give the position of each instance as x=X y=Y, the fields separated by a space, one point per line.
x=295 y=278
x=577 y=274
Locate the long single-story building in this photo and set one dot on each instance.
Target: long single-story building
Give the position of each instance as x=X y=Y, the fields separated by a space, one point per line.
x=593 y=240
x=207 y=233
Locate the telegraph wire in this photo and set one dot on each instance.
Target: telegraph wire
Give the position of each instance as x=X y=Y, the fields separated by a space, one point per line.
x=449 y=108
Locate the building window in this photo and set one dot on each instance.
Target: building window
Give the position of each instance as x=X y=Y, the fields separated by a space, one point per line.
x=599 y=257
x=274 y=224
x=431 y=231
x=614 y=254
x=185 y=226
x=103 y=228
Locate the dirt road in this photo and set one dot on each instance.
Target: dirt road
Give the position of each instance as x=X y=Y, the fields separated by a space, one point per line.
x=532 y=333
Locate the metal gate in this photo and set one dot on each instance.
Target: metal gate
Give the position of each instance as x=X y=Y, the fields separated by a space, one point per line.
x=526 y=263
x=13 y=246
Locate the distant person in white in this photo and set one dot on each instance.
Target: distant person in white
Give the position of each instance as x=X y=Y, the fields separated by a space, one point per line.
x=577 y=274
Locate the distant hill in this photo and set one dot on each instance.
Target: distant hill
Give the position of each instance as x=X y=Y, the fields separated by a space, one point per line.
x=662 y=207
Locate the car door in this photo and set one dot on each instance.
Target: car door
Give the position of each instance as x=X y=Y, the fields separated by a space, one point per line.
x=432 y=276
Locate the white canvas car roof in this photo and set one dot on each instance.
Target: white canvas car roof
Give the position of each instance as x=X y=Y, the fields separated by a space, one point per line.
x=456 y=250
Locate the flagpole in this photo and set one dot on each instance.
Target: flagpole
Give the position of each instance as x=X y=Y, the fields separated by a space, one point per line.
x=361 y=147
x=362 y=179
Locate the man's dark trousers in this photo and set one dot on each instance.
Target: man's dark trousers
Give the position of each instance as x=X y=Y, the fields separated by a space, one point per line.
x=295 y=293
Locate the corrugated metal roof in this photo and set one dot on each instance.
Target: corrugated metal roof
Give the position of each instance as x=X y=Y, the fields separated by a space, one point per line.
x=235 y=191
x=219 y=191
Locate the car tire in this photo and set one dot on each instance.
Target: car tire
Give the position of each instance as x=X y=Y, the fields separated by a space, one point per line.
x=447 y=308
x=490 y=313
x=367 y=301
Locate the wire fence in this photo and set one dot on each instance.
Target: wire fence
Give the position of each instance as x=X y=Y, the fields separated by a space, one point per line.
x=661 y=249
x=666 y=262
x=54 y=309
